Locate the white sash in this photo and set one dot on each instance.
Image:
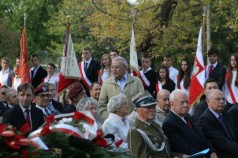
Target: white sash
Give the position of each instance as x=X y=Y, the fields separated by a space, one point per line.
x=143 y=77
x=158 y=86
x=83 y=74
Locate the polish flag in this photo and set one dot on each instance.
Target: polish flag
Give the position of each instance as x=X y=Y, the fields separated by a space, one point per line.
x=198 y=76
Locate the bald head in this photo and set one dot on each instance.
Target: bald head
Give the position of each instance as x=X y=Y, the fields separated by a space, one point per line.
x=163 y=100
x=216 y=100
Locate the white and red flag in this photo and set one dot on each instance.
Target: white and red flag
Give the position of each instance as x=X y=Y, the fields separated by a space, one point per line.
x=69 y=72
x=133 y=54
x=198 y=76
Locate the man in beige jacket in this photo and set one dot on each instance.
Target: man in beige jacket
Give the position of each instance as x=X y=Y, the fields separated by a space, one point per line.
x=120 y=82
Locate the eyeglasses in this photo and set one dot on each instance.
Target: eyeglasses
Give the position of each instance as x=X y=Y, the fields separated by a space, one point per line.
x=44 y=95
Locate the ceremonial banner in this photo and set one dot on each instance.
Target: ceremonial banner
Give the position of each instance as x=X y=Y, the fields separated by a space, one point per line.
x=24 y=68
x=133 y=55
x=69 y=72
x=198 y=76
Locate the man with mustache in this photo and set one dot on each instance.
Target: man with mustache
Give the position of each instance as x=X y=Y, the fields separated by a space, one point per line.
x=185 y=136
x=146 y=138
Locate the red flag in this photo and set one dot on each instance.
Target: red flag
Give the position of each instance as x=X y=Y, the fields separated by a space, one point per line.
x=198 y=76
x=69 y=72
x=133 y=54
x=24 y=68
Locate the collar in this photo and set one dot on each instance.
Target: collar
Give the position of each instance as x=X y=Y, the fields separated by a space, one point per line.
x=113 y=115
x=23 y=109
x=214 y=65
x=35 y=68
x=125 y=77
x=148 y=123
x=158 y=109
x=43 y=109
x=181 y=117
x=214 y=113
x=148 y=69
x=88 y=61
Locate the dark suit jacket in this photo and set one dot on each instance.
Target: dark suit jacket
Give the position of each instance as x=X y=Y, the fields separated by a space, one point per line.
x=214 y=132
x=219 y=74
x=39 y=76
x=234 y=112
x=92 y=73
x=57 y=105
x=3 y=109
x=170 y=86
x=15 y=117
x=69 y=109
x=199 y=109
x=182 y=138
x=152 y=78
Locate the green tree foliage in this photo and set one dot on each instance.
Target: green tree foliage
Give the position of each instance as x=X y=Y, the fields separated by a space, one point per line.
x=161 y=26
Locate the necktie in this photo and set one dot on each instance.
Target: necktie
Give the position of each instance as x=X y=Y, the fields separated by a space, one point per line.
x=47 y=112
x=210 y=69
x=221 y=120
x=27 y=116
x=85 y=66
x=188 y=123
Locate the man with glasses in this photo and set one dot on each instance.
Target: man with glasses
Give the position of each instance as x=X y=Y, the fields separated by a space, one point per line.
x=25 y=112
x=119 y=82
x=3 y=103
x=42 y=99
x=162 y=106
x=185 y=136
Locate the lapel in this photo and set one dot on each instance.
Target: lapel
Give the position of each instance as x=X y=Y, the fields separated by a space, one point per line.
x=215 y=70
x=89 y=67
x=185 y=128
x=20 y=116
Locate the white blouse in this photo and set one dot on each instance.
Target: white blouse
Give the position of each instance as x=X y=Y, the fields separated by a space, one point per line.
x=115 y=125
x=4 y=76
x=234 y=89
x=54 y=79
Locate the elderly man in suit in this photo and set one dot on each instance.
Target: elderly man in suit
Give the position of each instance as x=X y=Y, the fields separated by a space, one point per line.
x=218 y=126
x=185 y=136
x=24 y=112
x=120 y=82
x=38 y=73
x=146 y=138
x=163 y=106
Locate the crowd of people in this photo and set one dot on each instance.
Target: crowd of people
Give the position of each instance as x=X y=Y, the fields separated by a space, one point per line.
x=149 y=114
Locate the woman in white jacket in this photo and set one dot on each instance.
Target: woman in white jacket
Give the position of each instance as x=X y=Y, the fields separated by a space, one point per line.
x=117 y=123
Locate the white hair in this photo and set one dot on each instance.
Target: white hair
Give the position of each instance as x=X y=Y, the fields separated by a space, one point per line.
x=116 y=102
x=83 y=104
x=122 y=60
x=175 y=92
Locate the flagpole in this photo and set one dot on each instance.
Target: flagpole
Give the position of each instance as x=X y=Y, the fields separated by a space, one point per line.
x=203 y=32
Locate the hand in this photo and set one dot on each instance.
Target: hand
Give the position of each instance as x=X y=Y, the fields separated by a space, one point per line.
x=213 y=155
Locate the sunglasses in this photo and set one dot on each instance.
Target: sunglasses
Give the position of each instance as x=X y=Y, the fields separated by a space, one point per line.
x=3 y=93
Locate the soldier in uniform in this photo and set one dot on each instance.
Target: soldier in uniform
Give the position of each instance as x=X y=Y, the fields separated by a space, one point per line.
x=146 y=138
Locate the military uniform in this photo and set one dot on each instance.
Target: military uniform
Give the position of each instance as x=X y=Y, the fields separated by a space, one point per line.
x=138 y=145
